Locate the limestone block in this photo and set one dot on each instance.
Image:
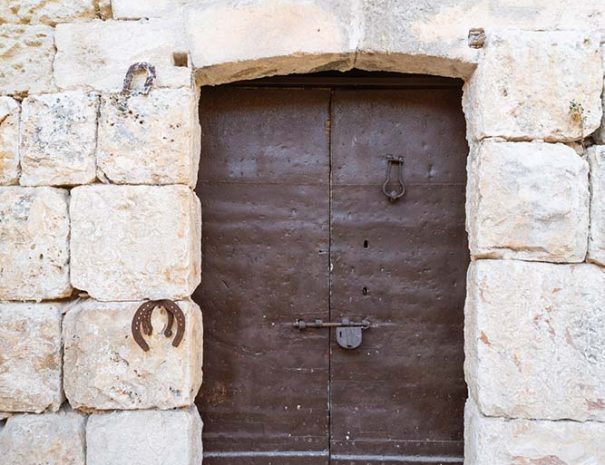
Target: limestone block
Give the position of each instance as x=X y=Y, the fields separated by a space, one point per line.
x=97 y=55
x=535 y=345
x=58 y=138
x=135 y=242
x=135 y=9
x=26 y=54
x=596 y=242
x=46 y=11
x=245 y=39
x=49 y=439
x=149 y=139
x=9 y=140
x=34 y=250
x=498 y=441
x=527 y=201
x=106 y=369
x=536 y=85
x=419 y=37
x=30 y=359
x=147 y=437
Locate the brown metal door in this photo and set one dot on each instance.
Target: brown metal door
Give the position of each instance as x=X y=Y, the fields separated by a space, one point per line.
x=264 y=186
x=295 y=225
x=400 y=397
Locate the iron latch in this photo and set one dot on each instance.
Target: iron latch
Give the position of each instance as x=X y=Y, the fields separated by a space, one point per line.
x=348 y=333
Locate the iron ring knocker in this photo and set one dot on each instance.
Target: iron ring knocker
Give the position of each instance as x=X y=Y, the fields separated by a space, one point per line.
x=142 y=320
x=394 y=194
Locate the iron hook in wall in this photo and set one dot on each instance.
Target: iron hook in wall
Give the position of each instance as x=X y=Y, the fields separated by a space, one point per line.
x=398 y=191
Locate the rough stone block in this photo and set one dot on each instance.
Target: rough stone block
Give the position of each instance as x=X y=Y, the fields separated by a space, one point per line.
x=58 y=138
x=135 y=242
x=30 y=359
x=26 y=54
x=49 y=439
x=498 y=441
x=420 y=37
x=135 y=9
x=46 y=11
x=97 y=55
x=596 y=242
x=527 y=201
x=535 y=345
x=106 y=369
x=536 y=85
x=9 y=140
x=149 y=139
x=242 y=39
x=145 y=437
x=34 y=248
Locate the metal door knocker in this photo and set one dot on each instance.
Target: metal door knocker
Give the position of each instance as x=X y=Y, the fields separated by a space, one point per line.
x=142 y=319
x=132 y=70
x=399 y=190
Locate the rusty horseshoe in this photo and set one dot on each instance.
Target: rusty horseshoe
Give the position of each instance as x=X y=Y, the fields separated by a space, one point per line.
x=142 y=320
x=149 y=81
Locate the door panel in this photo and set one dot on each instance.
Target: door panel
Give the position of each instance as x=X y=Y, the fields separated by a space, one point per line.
x=264 y=186
x=402 y=265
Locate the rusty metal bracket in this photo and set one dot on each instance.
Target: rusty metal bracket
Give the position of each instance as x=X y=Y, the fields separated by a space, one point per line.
x=142 y=320
x=132 y=70
x=397 y=192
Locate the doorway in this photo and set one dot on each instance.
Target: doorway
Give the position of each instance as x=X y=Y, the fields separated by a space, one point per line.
x=298 y=226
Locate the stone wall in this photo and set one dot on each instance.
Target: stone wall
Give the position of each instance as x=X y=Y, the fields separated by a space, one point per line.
x=97 y=214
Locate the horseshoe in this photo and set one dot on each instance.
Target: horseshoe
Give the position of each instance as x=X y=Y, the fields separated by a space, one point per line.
x=142 y=320
x=139 y=66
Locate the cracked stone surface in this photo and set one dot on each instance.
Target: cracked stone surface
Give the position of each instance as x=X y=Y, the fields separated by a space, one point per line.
x=596 y=243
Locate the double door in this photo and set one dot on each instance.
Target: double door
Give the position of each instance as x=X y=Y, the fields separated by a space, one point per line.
x=298 y=225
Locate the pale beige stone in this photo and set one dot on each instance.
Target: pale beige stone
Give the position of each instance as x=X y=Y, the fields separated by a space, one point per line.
x=136 y=9
x=46 y=11
x=97 y=55
x=106 y=369
x=498 y=441
x=413 y=37
x=26 y=54
x=535 y=345
x=58 y=139
x=30 y=357
x=145 y=437
x=34 y=251
x=536 y=85
x=527 y=201
x=135 y=242
x=244 y=39
x=149 y=139
x=9 y=140
x=49 y=439
x=596 y=243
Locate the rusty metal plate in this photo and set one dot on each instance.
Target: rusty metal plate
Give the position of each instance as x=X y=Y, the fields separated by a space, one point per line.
x=402 y=265
x=264 y=186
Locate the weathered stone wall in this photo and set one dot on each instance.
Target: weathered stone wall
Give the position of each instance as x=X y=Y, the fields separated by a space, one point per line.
x=97 y=214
